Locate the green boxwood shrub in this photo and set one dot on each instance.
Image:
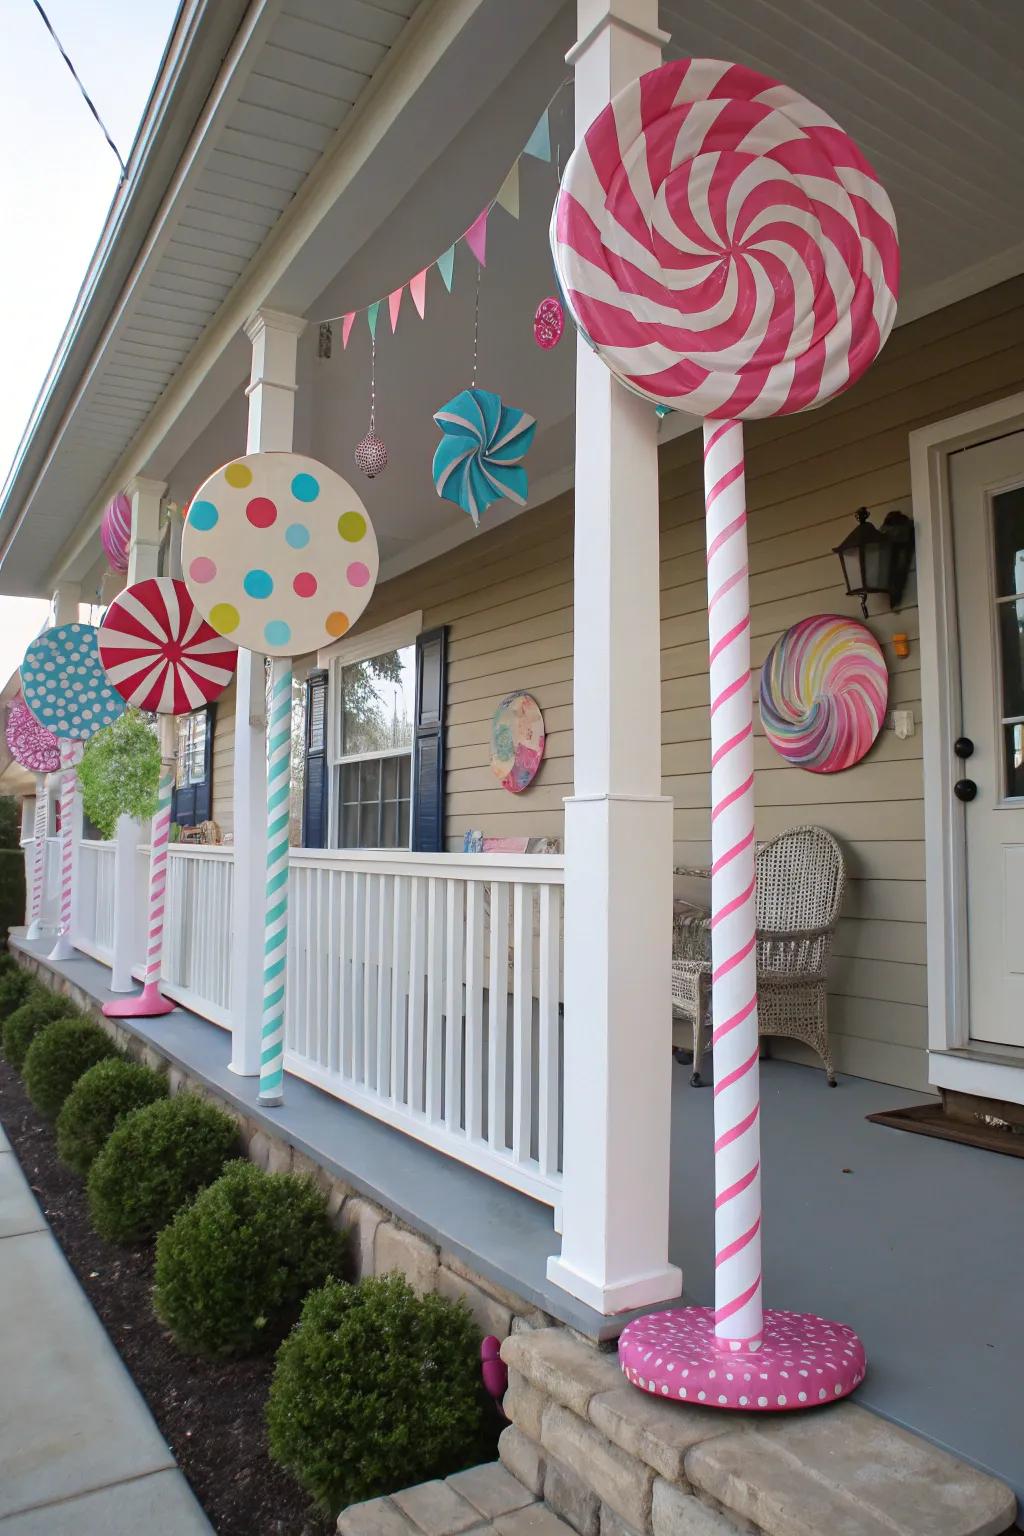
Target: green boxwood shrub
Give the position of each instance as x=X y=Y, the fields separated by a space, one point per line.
x=58 y=1056
x=233 y=1267
x=15 y=986
x=375 y=1389
x=20 y=1028
x=155 y=1162
x=98 y=1102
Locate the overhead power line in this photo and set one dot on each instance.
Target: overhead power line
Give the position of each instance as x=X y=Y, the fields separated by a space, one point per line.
x=88 y=99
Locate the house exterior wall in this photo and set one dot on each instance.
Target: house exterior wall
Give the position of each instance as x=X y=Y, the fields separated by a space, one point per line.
x=222 y=766
x=506 y=597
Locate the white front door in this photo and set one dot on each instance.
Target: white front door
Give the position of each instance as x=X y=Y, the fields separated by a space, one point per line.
x=988 y=541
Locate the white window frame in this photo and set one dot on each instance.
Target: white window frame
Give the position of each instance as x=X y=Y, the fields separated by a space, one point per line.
x=394 y=636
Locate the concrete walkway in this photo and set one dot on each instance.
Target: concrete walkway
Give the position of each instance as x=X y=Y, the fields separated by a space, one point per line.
x=79 y=1451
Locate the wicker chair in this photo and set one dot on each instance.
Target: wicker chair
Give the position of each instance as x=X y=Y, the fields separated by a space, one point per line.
x=801 y=876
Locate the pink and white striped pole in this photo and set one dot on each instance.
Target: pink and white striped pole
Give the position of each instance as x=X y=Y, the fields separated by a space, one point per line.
x=738 y=1311
x=70 y=757
x=151 y=1001
x=35 y=926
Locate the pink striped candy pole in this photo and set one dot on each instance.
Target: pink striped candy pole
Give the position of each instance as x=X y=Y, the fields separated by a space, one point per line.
x=738 y=1316
x=70 y=757
x=151 y=1000
x=38 y=859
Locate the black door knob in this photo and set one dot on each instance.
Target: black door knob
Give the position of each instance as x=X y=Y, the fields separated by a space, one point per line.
x=965 y=789
x=963 y=747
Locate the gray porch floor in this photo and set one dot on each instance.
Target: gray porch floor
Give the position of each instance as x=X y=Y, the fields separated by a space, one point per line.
x=919 y=1246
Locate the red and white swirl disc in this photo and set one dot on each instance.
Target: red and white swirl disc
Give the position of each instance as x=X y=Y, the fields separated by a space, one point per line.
x=159 y=652
x=724 y=246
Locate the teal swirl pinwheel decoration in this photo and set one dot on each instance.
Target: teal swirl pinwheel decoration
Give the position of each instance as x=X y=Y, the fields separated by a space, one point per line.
x=479 y=458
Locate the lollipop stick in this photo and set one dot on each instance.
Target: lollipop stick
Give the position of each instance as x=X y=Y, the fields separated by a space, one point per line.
x=275 y=929
x=738 y=1314
x=38 y=858
x=70 y=755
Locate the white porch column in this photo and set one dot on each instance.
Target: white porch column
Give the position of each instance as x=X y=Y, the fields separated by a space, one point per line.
x=146 y=497
x=618 y=825
x=271 y=393
x=64 y=606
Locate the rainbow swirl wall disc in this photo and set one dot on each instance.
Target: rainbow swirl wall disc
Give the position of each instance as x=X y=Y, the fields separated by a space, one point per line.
x=824 y=693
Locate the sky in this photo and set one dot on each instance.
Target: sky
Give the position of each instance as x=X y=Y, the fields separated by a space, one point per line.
x=57 y=178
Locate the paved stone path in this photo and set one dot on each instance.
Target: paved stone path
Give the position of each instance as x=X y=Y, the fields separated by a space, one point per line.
x=485 y=1501
x=79 y=1451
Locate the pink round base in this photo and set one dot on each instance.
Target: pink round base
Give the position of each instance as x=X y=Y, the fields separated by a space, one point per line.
x=802 y=1362
x=149 y=1003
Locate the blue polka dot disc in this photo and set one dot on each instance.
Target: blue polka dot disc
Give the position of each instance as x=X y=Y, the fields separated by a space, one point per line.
x=64 y=684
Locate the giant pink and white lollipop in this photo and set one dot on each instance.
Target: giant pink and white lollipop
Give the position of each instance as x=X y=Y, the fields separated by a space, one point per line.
x=161 y=656
x=34 y=747
x=727 y=250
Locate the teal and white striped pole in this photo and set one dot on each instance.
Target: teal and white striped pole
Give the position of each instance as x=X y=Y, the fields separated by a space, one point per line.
x=275 y=928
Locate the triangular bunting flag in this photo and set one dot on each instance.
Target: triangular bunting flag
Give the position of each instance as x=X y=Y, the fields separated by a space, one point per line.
x=347 y=322
x=394 y=305
x=418 y=289
x=446 y=266
x=508 y=197
x=539 y=143
x=371 y=317
x=476 y=237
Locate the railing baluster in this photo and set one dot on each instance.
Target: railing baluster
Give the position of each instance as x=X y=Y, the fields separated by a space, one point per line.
x=373 y=893
x=435 y=993
x=417 y=959
x=548 y=1051
x=522 y=1022
x=385 y=915
x=497 y=1018
x=358 y=978
x=399 y=990
x=330 y=1057
x=454 y=964
x=474 y=1009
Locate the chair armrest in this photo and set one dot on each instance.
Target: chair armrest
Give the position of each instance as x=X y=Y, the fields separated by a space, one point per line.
x=692 y=872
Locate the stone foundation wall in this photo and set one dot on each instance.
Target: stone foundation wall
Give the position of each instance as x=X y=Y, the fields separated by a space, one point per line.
x=613 y=1461
x=380 y=1243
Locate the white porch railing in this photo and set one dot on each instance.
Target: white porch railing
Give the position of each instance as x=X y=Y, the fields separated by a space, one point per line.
x=94 y=898
x=425 y=988
x=50 y=915
x=197 y=928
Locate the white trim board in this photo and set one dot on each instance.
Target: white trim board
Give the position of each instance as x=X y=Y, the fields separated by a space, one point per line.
x=972 y=1074
x=373 y=642
x=945 y=851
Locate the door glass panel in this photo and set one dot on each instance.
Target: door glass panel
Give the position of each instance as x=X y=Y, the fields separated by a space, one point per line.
x=1011 y=645
x=1014 y=740
x=1008 y=513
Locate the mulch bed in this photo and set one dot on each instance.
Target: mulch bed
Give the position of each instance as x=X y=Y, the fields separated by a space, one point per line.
x=211 y=1414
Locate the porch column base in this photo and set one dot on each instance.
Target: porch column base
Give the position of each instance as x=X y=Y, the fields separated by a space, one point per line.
x=663 y=1284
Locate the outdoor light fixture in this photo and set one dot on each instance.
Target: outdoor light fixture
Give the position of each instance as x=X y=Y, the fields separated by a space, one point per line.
x=877 y=559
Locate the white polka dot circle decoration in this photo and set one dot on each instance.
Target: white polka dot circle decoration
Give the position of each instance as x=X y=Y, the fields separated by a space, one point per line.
x=65 y=686
x=279 y=553
x=802 y=1361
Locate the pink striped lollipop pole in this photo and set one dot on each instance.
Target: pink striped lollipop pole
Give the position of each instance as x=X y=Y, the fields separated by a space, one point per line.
x=38 y=859
x=70 y=757
x=738 y=1311
x=151 y=1000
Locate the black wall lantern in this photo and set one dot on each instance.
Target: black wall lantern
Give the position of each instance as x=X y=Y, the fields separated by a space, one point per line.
x=877 y=559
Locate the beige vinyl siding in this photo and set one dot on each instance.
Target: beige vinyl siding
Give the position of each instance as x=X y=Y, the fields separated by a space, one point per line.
x=224 y=760
x=506 y=597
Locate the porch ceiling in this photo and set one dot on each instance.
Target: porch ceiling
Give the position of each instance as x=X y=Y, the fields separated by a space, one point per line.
x=933 y=95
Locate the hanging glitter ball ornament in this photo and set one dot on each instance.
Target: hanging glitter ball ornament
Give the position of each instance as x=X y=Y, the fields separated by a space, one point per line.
x=371 y=456
x=548 y=323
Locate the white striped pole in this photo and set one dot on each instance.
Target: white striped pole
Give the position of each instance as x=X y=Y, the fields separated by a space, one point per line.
x=738 y=1305
x=275 y=927
x=70 y=757
x=35 y=926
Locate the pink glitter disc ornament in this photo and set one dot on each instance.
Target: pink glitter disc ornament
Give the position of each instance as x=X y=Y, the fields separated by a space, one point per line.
x=116 y=532
x=548 y=323
x=371 y=455
x=726 y=249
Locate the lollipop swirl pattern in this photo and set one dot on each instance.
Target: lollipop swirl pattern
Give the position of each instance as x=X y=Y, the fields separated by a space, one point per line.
x=478 y=460
x=724 y=245
x=824 y=693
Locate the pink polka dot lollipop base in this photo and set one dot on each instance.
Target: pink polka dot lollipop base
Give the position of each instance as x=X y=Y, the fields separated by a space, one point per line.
x=803 y=1361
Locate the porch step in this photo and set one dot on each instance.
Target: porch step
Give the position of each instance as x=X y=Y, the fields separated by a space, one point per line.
x=484 y=1501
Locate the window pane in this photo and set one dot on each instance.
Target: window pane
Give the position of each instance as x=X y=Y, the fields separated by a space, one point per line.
x=368 y=825
x=182 y=763
x=369 y=780
x=197 y=748
x=389 y=777
x=350 y=826
x=1008 y=514
x=403 y=824
x=378 y=702
x=1011 y=641
x=1014 y=737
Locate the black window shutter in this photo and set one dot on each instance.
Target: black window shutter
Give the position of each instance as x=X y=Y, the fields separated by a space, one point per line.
x=428 y=742
x=193 y=803
x=314 y=795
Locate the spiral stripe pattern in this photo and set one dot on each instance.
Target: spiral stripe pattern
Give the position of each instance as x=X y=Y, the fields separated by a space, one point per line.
x=738 y=1312
x=275 y=931
x=158 y=872
x=116 y=532
x=38 y=853
x=724 y=245
x=159 y=652
x=70 y=757
x=824 y=693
